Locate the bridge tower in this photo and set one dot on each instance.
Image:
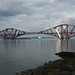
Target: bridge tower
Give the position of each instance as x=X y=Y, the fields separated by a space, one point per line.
x=64 y=31
x=11 y=33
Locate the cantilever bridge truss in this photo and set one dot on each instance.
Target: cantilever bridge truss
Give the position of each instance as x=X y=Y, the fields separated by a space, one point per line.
x=61 y=31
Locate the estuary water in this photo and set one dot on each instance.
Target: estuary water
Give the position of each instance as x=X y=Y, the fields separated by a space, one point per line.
x=21 y=54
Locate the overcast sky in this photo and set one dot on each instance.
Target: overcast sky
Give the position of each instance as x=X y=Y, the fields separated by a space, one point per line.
x=36 y=15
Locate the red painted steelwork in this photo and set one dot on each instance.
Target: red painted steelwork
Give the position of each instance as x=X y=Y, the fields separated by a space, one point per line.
x=61 y=31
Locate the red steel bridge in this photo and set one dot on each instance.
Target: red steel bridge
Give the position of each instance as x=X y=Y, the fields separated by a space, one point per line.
x=63 y=31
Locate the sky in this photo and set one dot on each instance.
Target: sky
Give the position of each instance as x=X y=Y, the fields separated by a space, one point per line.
x=36 y=15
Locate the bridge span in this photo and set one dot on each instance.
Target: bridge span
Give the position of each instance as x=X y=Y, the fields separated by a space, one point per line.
x=63 y=31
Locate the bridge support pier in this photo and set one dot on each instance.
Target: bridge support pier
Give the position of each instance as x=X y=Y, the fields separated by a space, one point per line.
x=64 y=38
x=61 y=38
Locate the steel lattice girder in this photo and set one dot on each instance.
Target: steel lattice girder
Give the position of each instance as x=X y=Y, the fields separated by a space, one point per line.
x=11 y=33
x=61 y=31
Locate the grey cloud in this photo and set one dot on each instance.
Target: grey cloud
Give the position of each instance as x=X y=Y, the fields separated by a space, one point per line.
x=35 y=15
x=7 y=13
x=65 y=1
x=42 y=4
x=70 y=20
x=14 y=8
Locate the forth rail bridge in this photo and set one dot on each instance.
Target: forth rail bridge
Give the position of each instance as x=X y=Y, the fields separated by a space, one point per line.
x=64 y=31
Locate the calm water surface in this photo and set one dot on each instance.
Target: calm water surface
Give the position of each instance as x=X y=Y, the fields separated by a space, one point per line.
x=18 y=55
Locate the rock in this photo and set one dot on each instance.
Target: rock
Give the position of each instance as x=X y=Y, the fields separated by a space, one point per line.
x=66 y=54
x=65 y=73
x=64 y=66
x=73 y=73
x=49 y=73
x=17 y=73
x=69 y=56
x=70 y=67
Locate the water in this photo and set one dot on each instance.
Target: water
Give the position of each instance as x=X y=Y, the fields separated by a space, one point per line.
x=18 y=55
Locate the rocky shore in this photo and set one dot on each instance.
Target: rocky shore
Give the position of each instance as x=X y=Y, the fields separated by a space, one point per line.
x=64 y=66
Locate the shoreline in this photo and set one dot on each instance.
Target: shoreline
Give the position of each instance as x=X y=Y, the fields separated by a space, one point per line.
x=64 y=66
